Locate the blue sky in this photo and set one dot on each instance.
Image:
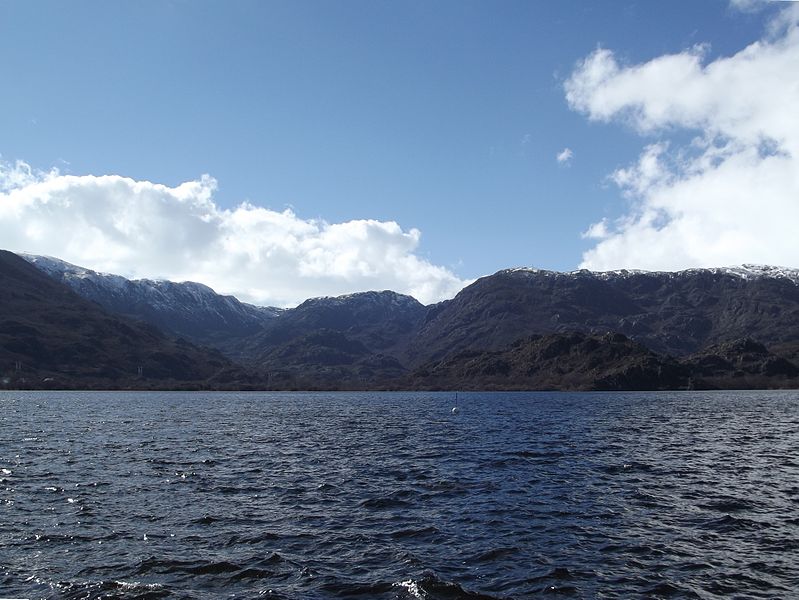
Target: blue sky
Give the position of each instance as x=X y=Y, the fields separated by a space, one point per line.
x=445 y=117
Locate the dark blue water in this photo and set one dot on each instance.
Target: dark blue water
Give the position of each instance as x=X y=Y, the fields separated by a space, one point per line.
x=391 y=496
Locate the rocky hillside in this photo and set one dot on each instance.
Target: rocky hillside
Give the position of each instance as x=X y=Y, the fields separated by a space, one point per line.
x=565 y=361
x=51 y=337
x=348 y=341
x=187 y=309
x=675 y=313
x=580 y=361
x=736 y=327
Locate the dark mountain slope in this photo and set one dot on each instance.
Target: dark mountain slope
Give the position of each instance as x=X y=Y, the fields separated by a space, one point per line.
x=186 y=309
x=375 y=339
x=745 y=364
x=379 y=319
x=314 y=340
x=573 y=361
x=676 y=313
x=362 y=327
x=579 y=361
x=54 y=334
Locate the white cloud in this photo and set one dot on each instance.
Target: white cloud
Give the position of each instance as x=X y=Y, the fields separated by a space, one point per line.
x=747 y=5
x=143 y=229
x=752 y=5
x=565 y=156
x=596 y=231
x=732 y=194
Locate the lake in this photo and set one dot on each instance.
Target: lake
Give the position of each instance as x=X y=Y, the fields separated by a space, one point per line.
x=394 y=496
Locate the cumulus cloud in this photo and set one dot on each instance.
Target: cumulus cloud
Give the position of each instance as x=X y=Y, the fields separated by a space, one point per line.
x=729 y=196
x=748 y=5
x=565 y=156
x=752 y=5
x=141 y=229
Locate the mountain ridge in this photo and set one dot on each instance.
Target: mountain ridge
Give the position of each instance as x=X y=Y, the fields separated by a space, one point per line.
x=52 y=337
x=189 y=309
x=744 y=271
x=383 y=338
x=675 y=313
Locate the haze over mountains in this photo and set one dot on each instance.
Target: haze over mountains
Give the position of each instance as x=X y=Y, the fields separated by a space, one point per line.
x=516 y=329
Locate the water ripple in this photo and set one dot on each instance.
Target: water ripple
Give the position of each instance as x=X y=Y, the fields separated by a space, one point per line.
x=392 y=497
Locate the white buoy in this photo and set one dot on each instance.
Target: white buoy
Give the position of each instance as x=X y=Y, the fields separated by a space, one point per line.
x=455 y=410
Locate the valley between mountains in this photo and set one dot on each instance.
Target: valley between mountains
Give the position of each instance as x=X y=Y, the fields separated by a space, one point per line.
x=63 y=326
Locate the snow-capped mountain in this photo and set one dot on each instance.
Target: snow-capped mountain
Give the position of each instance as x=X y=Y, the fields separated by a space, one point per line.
x=745 y=271
x=377 y=336
x=186 y=309
x=675 y=312
x=51 y=337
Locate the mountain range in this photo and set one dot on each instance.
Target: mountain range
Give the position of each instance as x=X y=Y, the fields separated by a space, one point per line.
x=516 y=329
x=52 y=337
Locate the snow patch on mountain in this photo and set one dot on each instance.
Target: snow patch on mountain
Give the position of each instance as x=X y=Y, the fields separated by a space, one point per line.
x=745 y=271
x=181 y=307
x=384 y=298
